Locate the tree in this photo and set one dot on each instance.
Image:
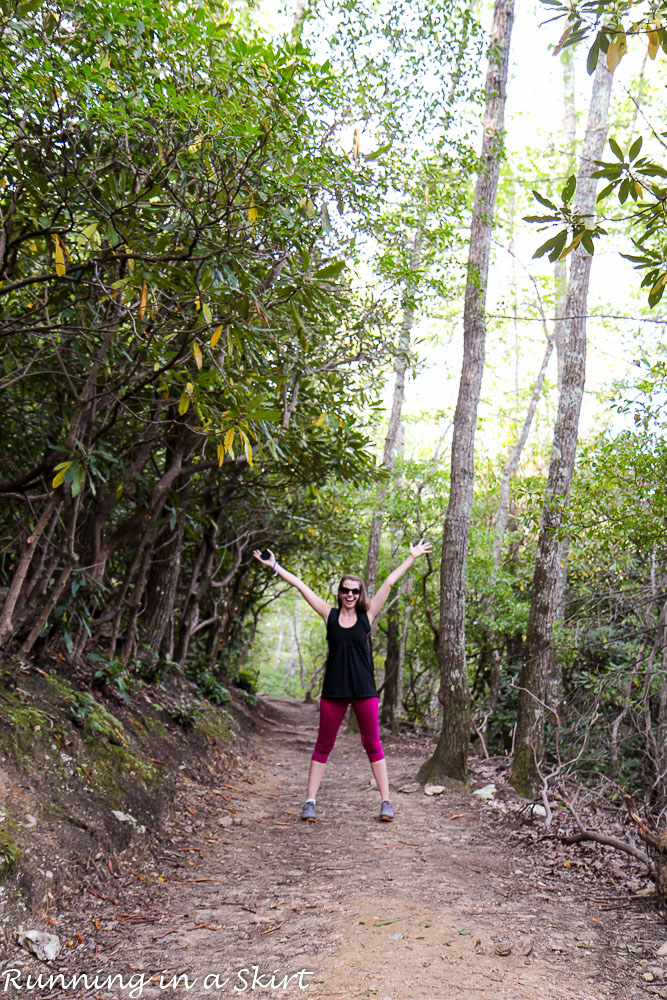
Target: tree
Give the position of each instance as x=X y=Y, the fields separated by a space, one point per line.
x=630 y=176
x=548 y=581
x=391 y=440
x=183 y=349
x=450 y=755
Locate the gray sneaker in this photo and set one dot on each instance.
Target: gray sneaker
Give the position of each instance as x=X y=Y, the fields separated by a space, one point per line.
x=308 y=813
x=387 y=812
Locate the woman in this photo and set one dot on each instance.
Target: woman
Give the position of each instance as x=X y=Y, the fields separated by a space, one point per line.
x=349 y=675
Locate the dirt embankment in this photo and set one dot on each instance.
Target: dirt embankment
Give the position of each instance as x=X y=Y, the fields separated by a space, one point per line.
x=86 y=774
x=454 y=899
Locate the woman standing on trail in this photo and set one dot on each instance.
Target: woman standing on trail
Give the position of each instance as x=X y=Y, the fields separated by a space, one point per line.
x=349 y=675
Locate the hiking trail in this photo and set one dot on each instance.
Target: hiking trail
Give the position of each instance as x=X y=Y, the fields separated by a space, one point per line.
x=450 y=901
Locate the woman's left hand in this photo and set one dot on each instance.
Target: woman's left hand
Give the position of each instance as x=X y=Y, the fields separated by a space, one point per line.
x=271 y=561
x=420 y=549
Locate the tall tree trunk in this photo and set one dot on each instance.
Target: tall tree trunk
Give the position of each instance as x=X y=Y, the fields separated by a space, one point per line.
x=510 y=467
x=512 y=462
x=554 y=680
x=570 y=140
x=547 y=579
x=391 y=440
x=451 y=752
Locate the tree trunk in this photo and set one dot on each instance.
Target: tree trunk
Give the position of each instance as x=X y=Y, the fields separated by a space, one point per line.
x=514 y=457
x=511 y=465
x=554 y=681
x=200 y=578
x=161 y=595
x=529 y=741
x=73 y=507
x=41 y=572
x=391 y=440
x=135 y=605
x=22 y=567
x=451 y=752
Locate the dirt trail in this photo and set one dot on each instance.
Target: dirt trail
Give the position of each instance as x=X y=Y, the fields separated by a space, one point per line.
x=448 y=902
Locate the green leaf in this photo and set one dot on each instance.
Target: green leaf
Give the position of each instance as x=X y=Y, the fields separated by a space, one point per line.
x=593 y=55
x=330 y=271
x=559 y=244
x=326 y=221
x=606 y=191
x=609 y=170
x=569 y=189
x=616 y=150
x=270 y=416
x=545 y=201
x=28 y=7
x=635 y=148
x=541 y=218
x=378 y=152
x=550 y=244
x=657 y=290
x=77 y=478
x=654 y=170
x=587 y=243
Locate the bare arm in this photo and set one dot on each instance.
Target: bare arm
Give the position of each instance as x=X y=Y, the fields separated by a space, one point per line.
x=379 y=598
x=317 y=603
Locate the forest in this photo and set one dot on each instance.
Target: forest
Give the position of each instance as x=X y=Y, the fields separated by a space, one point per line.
x=328 y=279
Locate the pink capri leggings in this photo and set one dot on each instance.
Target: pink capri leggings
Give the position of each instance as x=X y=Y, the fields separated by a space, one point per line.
x=331 y=716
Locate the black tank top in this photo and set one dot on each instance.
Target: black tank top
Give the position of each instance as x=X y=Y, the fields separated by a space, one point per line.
x=349 y=672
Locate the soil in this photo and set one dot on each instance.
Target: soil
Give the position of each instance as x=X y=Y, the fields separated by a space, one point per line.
x=454 y=899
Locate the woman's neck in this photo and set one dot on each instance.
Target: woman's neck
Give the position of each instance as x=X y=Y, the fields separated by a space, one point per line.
x=348 y=615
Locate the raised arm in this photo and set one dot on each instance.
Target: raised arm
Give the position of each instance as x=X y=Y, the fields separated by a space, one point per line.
x=317 y=603
x=379 y=598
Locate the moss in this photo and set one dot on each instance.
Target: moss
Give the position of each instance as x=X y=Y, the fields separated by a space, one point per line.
x=111 y=767
x=23 y=725
x=9 y=853
x=155 y=727
x=215 y=723
x=58 y=686
x=110 y=761
x=524 y=778
x=85 y=710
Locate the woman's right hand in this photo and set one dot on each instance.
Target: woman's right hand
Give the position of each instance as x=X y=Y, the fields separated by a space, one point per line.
x=258 y=554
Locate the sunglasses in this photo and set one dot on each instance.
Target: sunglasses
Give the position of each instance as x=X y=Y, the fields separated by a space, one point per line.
x=350 y=590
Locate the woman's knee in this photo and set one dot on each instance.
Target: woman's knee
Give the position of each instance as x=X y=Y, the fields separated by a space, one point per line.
x=373 y=747
x=322 y=751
